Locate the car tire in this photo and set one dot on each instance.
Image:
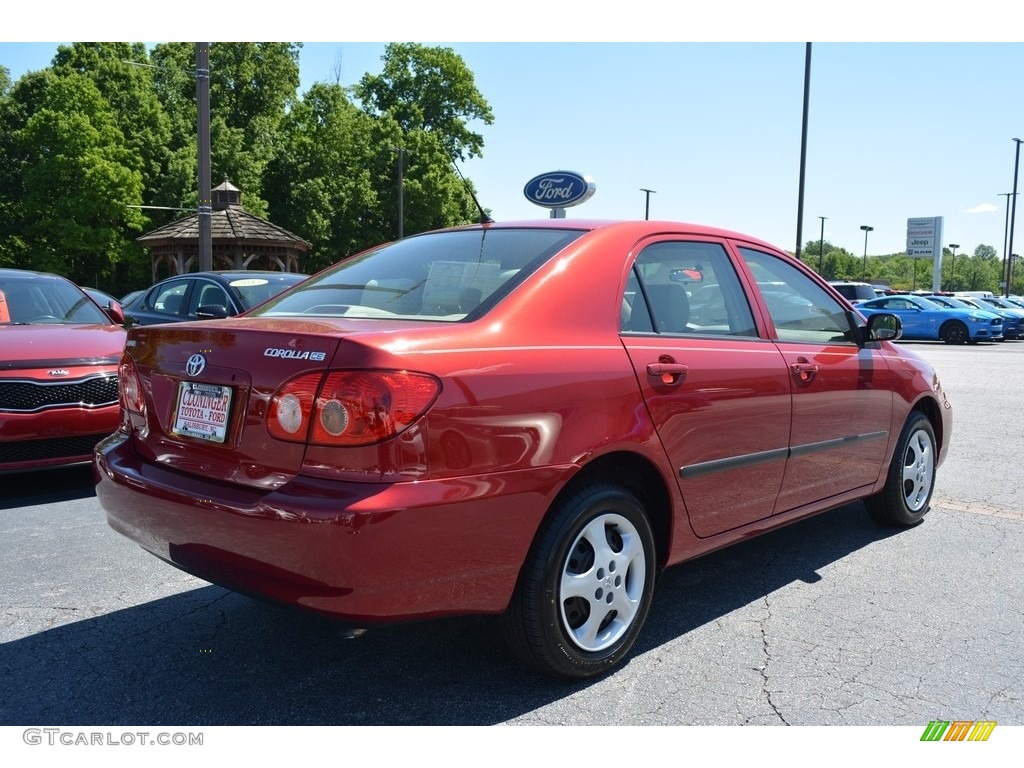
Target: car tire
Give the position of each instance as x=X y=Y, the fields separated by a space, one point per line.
x=586 y=586
x=905 y=499
x=955 y=332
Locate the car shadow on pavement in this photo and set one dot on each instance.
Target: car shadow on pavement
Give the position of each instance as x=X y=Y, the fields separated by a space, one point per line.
x=210 y=657
x=46 y=486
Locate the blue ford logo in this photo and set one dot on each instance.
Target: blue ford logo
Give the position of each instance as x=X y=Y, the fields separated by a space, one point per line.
x=195 y=365
x=559 y=189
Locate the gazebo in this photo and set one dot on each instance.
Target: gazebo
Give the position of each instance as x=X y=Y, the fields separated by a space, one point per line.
x=240 y=240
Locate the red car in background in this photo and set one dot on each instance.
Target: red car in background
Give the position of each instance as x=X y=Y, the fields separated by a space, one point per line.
x=519 y=419
x=59 y=354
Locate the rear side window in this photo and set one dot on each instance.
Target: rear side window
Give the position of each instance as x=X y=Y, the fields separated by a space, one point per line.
x=855 y=291
x=446 y=276
x=685 y=287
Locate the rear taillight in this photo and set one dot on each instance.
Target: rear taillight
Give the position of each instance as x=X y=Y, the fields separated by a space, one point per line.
x=351 y=407
x=132 y=398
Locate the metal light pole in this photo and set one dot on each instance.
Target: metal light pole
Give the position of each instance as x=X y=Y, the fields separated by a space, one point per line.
x=401 y=190
x=647 y=204
x=952 y=266
x=866 y=228
x=821 y=245
x=1013 y=215
x=1006 y=233
x=803 y=152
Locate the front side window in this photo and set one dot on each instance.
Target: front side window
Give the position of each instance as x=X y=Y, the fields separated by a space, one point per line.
x=800 y=308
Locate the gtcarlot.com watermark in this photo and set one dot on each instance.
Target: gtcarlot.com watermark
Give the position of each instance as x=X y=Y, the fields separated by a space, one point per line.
x=69 y=738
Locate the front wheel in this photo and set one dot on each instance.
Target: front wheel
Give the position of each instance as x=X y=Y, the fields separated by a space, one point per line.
x=905 y=499
x=955 y=332
x=586 y=587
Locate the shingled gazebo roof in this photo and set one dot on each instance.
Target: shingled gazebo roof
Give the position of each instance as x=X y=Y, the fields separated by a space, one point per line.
x=240 y=240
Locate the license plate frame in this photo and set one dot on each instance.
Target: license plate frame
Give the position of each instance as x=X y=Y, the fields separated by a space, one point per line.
x=202 y=411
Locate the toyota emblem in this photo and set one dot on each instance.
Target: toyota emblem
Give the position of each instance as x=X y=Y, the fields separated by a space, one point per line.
x=195 y=365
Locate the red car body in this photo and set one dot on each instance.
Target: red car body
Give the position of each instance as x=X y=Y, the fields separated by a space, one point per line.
x=58 y=372
x=421 y=444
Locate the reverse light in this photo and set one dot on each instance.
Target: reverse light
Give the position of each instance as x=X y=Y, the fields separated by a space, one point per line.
x=291 y=408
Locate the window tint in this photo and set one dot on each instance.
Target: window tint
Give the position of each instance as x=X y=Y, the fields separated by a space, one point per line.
x=439 y=276
x=49 y=300
x=800 y=309
x=685 y=287
x=170 y=298
x=207 y=293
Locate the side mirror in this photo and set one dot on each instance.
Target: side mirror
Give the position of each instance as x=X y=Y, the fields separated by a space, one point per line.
x=880 y=327
x=115 y=312
x=884 y=327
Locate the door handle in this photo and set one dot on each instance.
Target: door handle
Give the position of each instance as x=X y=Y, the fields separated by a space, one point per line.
x=669 y=373
x=803 y=370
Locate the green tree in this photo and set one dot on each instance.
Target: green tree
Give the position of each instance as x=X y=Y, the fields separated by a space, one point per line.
x=428 y=89
x=252 y=87
x=122 y=73
x=79 y=180
x=320 y=184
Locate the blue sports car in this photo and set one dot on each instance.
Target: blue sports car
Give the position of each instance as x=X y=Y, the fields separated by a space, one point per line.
x=925 y=319
x=1011 y=323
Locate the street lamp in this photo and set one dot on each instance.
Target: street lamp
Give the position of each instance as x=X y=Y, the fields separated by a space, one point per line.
x=1006 y=233
x=647 y=205
x=866 y=228
x=952 y=266
x=1013 y=215
x=821 y=245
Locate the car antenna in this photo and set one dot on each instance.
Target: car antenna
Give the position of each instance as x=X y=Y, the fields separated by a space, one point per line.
x=484 y=218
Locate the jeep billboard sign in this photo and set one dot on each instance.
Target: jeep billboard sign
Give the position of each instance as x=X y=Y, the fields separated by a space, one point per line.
x=924 y=241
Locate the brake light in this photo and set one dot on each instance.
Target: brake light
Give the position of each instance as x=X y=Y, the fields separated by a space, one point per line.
x=132 y=398
x=351 y=408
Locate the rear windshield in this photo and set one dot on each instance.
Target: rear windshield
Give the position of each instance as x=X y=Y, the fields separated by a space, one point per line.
x=256 y=290
x=448 y=276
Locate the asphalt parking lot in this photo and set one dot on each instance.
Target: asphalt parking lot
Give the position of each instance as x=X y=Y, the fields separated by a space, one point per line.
x=832 y=621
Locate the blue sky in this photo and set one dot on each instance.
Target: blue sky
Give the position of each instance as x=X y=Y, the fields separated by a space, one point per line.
x=896 y=129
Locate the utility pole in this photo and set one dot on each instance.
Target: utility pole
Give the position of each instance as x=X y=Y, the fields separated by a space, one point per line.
x=203 y=119
x=401 y=190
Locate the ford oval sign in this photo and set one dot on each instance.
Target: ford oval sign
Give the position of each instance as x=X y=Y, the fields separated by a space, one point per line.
x=559 y=189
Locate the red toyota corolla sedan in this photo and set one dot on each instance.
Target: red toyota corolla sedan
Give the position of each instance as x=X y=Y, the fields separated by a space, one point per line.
x=524 y=419
x=59 y=355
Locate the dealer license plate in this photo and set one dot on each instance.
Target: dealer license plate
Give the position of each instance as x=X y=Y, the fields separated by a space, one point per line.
x=202 y=411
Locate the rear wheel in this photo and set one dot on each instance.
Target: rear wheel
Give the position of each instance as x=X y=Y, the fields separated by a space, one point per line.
x=905 y=499
x=954 y=332
x=586 y=587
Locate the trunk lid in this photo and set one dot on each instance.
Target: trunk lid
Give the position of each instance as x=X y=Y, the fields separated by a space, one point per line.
x=208 y=387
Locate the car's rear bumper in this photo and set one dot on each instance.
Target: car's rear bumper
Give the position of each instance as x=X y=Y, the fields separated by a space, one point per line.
x=360 y=552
